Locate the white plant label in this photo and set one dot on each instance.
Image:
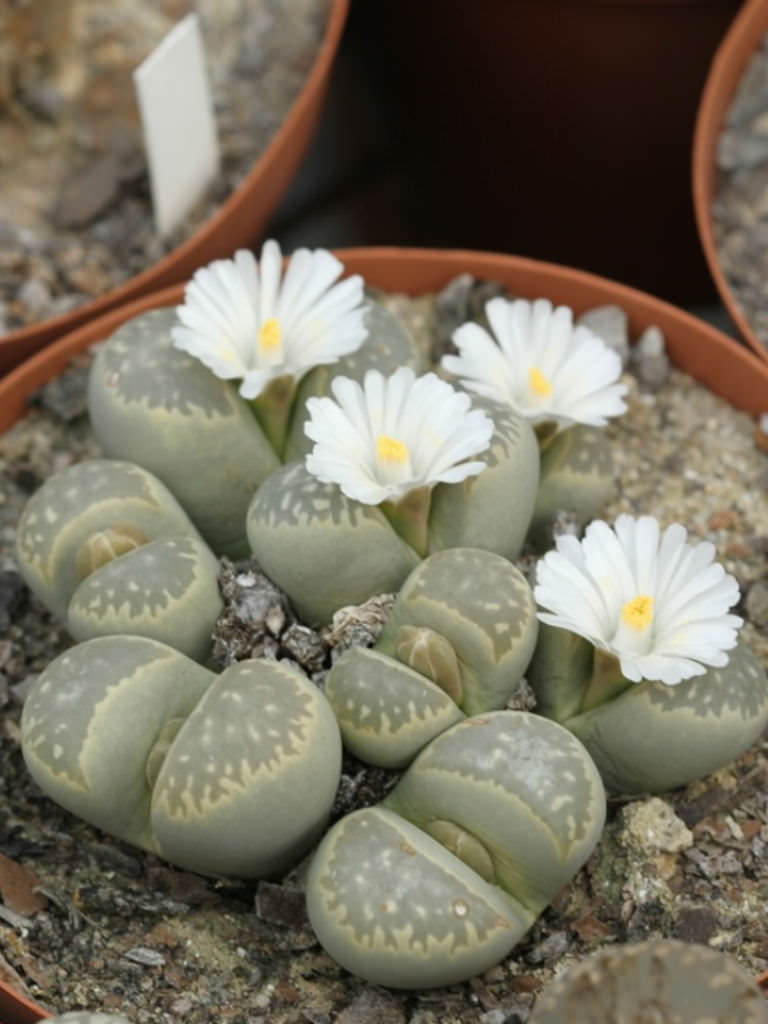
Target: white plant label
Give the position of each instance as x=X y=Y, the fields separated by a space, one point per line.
x=178 y=121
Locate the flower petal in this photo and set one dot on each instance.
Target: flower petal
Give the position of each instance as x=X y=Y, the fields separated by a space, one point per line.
x=228 y=302
x=428 y=431
x=684 y=627
x=539 y=363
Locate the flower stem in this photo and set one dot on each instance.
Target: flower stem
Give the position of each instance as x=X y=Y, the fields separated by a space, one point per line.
x=273 y=410
x=546 y=432
x=409 y=517
x=606 y=682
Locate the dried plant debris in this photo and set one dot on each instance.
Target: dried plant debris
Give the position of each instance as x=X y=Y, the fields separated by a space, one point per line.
x=122 y=932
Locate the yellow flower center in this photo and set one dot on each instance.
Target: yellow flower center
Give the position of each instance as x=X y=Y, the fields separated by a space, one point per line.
x=270 y=335
x=638 y=613
x=390 y=450
x=538 y=382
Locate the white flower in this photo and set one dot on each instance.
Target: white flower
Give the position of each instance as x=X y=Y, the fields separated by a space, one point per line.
x=393 y=434
x=242 y=322
x=657 y=603
x=539 y=363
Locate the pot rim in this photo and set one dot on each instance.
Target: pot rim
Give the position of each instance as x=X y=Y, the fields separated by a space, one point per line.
x=723 y=365
x=16 y=1008
x=267 y=180
x=725 y=72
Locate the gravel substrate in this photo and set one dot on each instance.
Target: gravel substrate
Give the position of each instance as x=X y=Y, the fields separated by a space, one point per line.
x=740 y=206
x=112 y=927
x=75 y=210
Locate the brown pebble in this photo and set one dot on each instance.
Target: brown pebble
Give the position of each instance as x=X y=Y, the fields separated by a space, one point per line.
x=737 y=549
x=722 y=519
x=19 y=887
x=525 y=983
x=281 y=904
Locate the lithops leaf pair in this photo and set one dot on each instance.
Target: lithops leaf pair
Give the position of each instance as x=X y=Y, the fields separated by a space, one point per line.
x=457 y=642
x=107 y=547
x=659 y=982
x=163 y=409
x=226 y=775
x=326 y=550
x=650 y=737
x=442 y=879
x=640 y=656
x=565 y=380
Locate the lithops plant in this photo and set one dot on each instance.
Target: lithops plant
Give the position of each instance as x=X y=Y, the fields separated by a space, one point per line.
x=639 y=657
x=440 y=881
x=457 y=642
x=228 y=775
x=107 y=547
x=564 y=380
x=168 y=374
x=662 y=981
x=401 y=467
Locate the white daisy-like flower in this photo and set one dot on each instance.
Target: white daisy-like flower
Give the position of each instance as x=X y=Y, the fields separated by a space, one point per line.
x=539 y=363
x=394 y=434
x=657 y=603
x=243 y=322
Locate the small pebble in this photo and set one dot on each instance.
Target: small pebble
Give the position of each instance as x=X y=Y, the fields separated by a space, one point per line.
x=612 y=325
x=649 y=361
x=495 y=1016
x=550 y=948
x=281 y=905
x=756 y=604
x=145 y=957
x=35 y=295
x=654 y=827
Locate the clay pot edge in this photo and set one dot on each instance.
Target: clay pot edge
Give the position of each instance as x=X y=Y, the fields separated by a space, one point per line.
x=234 y=224
x=18 y=1009
x=740 y=42
x=723 y=365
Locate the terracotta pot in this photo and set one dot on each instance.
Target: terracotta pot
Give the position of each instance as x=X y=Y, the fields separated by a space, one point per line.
x=740 y=43
x=238 y=222
x=565 y=134
x=17 y=1009
x=718 y=362
x=714 y=359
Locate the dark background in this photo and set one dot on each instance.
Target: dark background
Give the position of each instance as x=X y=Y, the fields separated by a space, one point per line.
x=557 y=129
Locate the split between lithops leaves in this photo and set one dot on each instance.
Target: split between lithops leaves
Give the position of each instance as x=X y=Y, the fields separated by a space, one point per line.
x=231 y=775
x=442 y=879
x=678 y=982
x=107 y=547
x=457 y=642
